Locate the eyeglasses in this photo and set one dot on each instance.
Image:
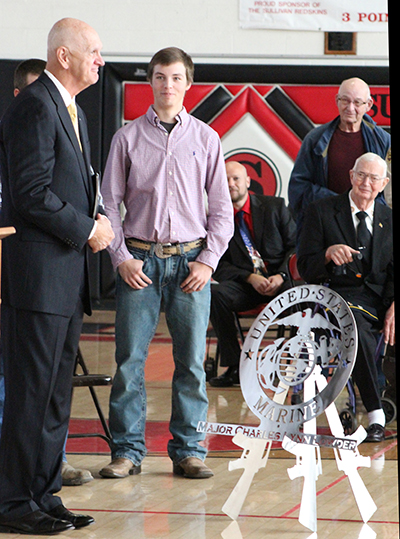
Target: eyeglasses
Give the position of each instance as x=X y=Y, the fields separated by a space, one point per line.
x=357 y=102
x=362 y=176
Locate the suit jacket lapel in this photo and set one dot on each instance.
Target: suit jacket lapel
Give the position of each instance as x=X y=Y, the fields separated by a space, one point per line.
x=65 y=119
x=86 y=149
x=83 y=133
x=258 y=220
x=69 y=128
x=344 y=219
x=237 y=238
x=380 y=229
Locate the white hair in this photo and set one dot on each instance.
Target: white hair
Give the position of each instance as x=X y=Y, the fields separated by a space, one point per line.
x=370 y=157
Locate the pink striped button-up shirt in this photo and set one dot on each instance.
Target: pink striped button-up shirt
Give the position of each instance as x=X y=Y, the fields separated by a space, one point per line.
x=161 y=179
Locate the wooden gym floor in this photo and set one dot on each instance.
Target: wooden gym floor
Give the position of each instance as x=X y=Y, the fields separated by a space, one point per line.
x=157 y=504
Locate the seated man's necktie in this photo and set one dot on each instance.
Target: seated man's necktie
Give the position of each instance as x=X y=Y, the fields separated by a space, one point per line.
x=258 y=262
x=364 y=238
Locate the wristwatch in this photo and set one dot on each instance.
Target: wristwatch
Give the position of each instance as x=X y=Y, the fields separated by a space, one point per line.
x=284 y=276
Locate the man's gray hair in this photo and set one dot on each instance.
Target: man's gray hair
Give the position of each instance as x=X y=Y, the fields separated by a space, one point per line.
x=370 y=157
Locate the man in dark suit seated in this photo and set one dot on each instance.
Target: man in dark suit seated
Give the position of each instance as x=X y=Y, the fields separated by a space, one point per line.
x=347 y=241
x=252 y=270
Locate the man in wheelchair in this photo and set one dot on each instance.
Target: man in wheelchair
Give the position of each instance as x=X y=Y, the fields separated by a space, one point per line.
x=347 y=243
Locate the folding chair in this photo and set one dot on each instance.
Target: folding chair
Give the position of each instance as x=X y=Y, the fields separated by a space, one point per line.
x=211 y=364
x=91 y=381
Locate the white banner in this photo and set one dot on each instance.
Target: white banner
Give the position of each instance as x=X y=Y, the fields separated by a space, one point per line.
x=322 y=15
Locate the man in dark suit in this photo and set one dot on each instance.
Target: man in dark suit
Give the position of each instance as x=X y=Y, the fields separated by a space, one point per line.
x=252 y=270
x=347 y=241
x=25 y=73
x=49 y=196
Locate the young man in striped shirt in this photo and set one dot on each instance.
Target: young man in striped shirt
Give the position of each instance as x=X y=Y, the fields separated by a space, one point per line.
x=164 y=251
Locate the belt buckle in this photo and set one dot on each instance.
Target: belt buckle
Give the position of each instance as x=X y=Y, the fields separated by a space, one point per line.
x=159 y=252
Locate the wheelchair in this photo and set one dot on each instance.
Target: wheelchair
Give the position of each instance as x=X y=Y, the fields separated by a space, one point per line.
x=388 y=392
x=388 y=398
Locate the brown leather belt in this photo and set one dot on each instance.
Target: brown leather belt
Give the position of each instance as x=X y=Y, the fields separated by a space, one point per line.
x=164 y=250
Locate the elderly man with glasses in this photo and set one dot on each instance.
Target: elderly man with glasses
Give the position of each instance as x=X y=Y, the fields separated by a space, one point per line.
x=347 y=241
x=329 y=151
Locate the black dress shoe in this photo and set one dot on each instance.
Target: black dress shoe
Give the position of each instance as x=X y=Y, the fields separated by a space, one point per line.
x=375 y=433
x=228 y=379
x=36 y=523
x=78 y=521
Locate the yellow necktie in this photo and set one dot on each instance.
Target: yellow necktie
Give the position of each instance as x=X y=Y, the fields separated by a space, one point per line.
x=74 y=117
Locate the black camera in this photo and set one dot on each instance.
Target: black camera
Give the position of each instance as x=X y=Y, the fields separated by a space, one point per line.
x=344 y=269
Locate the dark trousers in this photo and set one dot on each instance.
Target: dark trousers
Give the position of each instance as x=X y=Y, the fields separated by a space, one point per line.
x=365 y=372
x=228 y=297
x=39 y=352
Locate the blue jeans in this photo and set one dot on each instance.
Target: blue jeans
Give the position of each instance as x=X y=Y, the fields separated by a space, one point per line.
x=137 y=316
